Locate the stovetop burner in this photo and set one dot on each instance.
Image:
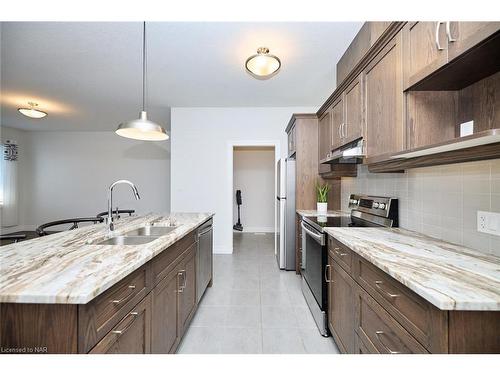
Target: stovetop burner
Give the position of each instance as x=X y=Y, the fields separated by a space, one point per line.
x=331 y=221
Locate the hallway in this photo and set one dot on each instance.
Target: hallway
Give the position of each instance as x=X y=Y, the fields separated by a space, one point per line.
x=253 y=307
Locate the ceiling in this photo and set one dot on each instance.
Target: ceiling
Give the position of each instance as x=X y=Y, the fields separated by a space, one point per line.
x=87 y=75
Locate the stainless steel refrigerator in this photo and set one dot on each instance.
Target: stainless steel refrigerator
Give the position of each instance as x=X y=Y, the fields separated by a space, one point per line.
x=285 y=214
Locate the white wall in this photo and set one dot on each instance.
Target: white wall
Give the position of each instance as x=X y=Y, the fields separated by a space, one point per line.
x=253 y=174
x=201 y=157
x=66 y=174
x=441 y=201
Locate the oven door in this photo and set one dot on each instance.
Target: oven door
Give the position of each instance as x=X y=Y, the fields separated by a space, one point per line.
x=313 y=263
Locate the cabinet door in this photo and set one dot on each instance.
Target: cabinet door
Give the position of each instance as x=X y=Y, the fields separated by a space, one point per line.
x=337 y=123
x=384 y=101
x=464 y=35
x=425 y=47
x=353 y=121
x=341 y=307
x=187 y=295
x=324 y=139
x=165 y=326
x=132 y=335
x=291 y=141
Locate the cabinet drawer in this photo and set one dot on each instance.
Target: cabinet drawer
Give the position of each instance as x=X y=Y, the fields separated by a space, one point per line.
x=361 y=347
x=131 y=335
x=340 y=253
x=424 y=321
x=98 y=316
x=378 y=329
x=165 y=262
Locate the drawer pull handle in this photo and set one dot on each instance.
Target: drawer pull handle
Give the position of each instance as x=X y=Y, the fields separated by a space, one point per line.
x=327 y=274
x=379 y=283
x=134 y=315
x=339 y=253
x=120 y=301
x=380 y=333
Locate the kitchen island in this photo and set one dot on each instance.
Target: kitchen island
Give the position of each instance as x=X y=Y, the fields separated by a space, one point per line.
x=398 y=291
x=69 y=293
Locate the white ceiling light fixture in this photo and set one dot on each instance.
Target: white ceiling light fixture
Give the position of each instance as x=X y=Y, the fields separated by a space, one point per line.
x=141 y=128
x=263 y=65
x=32 y=112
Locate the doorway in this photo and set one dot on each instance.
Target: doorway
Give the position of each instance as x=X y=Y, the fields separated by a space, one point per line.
x=254 y=175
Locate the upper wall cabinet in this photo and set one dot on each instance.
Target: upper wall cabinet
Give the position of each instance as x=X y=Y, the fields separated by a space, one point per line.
x=425 y=50
x=337 y=123
x=324 y=139
x=384 y=101
x=462 y=36
x=429 y=47
x=367 y=36
x=292 y=139
x=353 y=111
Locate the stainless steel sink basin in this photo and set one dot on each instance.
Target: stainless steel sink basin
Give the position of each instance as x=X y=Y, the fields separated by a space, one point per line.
x=150 y=231
x=128 y=240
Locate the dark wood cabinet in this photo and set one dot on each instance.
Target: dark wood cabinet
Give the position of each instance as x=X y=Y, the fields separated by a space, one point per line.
x=324 y=139
x=148 y=311
x=187 y=289
x=341 y=309
x=165 y=308
x=377 y=328
x=463 y=35
x=384 y=101
x=132 y=335
x=371 y=312
x=337 y=123
x=425 y=50
x=292 y=141
x=353 y=111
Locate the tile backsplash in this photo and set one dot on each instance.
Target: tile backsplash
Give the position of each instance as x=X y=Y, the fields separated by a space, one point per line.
x=441 y=201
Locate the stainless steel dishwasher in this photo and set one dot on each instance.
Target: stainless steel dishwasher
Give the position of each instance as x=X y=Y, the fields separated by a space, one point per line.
x=204 y=258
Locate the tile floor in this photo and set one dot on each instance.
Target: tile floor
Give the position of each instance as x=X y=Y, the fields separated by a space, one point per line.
x=253 y=307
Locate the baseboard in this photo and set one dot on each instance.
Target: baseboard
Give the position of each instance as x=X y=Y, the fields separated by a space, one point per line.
x=223 y=250
x=258 y=229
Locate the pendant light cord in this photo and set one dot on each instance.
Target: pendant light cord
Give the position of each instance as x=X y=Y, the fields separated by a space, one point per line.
x=144 y=66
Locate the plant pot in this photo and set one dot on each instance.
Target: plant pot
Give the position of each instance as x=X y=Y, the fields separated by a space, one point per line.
x=322 y=207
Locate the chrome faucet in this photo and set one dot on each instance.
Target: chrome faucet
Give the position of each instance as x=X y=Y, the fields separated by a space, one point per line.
x=110 y=218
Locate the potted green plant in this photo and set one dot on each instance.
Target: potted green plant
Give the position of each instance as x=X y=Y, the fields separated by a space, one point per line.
x=322 y=197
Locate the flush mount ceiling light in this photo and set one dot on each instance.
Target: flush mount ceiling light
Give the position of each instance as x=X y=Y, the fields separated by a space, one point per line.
x=31 y=111
x=263 y=65
x=141 y=128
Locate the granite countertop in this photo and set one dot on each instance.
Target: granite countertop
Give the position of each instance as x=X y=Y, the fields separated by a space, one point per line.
x=68 y=267
x=449 y=276
x=329 y=213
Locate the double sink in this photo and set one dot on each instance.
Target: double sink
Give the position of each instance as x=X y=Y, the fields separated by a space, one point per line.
x=139 y=236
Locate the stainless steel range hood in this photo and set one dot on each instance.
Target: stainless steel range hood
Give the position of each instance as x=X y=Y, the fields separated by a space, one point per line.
x=352 y=153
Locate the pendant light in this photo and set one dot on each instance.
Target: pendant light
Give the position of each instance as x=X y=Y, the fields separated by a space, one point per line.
x=142 y=128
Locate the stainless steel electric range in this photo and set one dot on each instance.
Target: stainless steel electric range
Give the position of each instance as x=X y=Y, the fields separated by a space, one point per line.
x=366 y=211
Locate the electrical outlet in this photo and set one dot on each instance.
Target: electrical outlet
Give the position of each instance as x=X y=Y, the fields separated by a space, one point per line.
x=488 y=222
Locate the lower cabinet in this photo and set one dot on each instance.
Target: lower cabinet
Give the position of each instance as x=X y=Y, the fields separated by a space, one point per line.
x=371 y=312
x=379 y=331
x=173 y=304
x=187 y=290
x=132 y=335
x=341 y=310
x=164 y=318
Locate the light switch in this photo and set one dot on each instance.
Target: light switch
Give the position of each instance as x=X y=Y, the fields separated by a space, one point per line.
x=488 y=222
